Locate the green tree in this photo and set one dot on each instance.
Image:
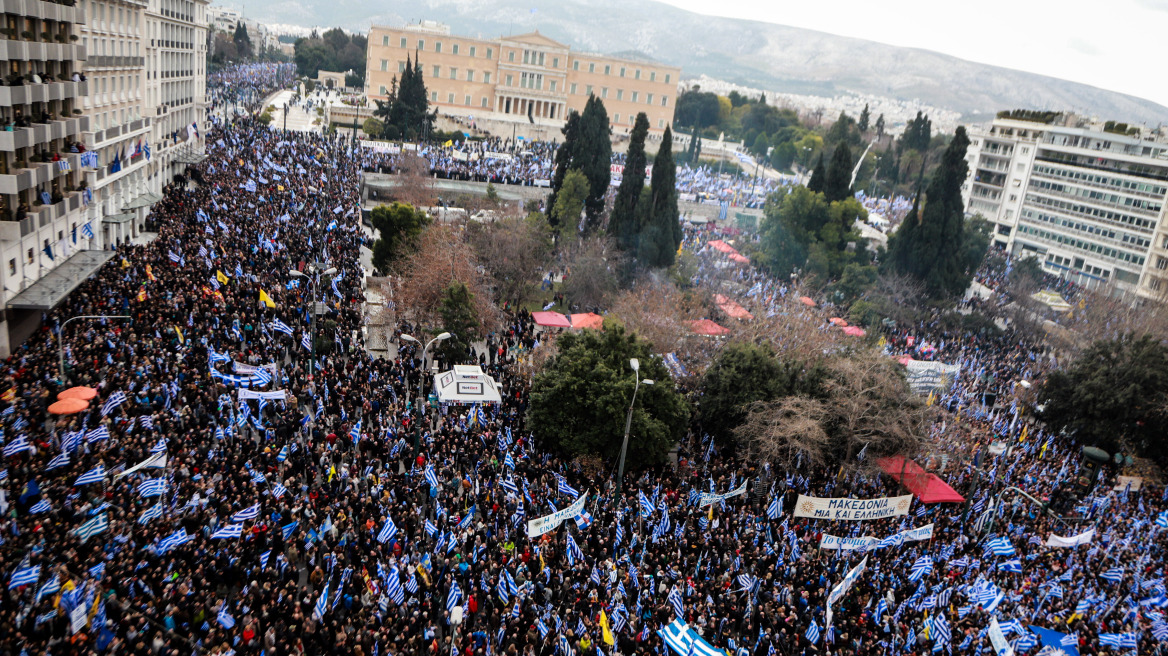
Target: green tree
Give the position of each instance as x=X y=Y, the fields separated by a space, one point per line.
x=1114 y=396
x=803 y=229
x=398 y=226
x=593 y=155
x=661 y=221
x=740 y=375
x=697 y=109
x=761 y=144
x=918 y=133
x=373 y=127
x=880 y=126
x=242 y=41
x=818 y=180
x=837 y=184
x=933 y=244
x=460 y=319
x=564 y=156
x=623 y=223
x=580 y=399
x=569 y=207
x=865 y=118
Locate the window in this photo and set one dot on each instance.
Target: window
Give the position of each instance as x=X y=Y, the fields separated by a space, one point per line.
x=450 y=98
x=591 y=67
x=403 y=42
x=437 y=46
x=453 y=73
x=384 y=65
x=490 y=53
x=652 y=76
x=552 y=85
x=648 y=99
x=12 y=267
x=421 y=44
x=616 y=118
x=30 y=256
x=572 y=89
x=620 y=94
x=664 y=101
x=437 y=72
x=589 y=93
x=486 y=77
x=607 y=69
x=511 y=56
x=433 y=96
x=622 y=71
x=576 y=65
x=637 y=74
x=555 y=62
x=454 y=51
x=401 y=67
x=383 y=91
x=385 y=40
x=474 y=51
x=541 y=59
x=509 y=82
x=660 y=123
x=667 y=78
x=526 y=56
x=484 y=101
x=604 y=92
x=1161 y=263
x=635 y=94
x=469 y=77
x=466 y=101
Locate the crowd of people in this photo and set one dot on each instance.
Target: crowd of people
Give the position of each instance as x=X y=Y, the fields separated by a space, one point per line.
x=240 y=485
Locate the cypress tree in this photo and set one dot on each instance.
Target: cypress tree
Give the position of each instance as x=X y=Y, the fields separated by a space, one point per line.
x=593 y=156
x=865 y=118
x=564 y=156
x=838 y=183
x=622 y=225
x=661 y=231
x=818 y=176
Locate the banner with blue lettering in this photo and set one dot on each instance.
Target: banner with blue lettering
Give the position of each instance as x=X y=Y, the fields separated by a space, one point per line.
x=852 y=509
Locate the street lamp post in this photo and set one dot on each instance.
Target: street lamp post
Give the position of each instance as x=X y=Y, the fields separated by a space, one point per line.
x=422 y=381
x=636 y=365
x=61 y=337
x=313 y=276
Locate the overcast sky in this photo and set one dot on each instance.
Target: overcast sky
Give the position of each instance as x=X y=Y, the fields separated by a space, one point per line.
x=1118 y=45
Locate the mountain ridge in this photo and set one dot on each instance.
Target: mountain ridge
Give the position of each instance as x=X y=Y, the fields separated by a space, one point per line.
x=751 y=53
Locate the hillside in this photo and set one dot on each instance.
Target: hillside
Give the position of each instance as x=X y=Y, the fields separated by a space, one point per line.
x=752 y=53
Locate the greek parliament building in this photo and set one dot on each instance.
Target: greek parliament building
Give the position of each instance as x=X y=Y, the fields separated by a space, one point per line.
x=512 y=77
x=1085 y=198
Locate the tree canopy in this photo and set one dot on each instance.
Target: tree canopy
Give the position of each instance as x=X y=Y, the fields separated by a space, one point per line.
x=586 y=148
x=580 y=400
x=623 y=222
x=742 y=374
x=406 y=113
x=332 y=51
x=1114 y=396
x=398 y=226
x=803 y=229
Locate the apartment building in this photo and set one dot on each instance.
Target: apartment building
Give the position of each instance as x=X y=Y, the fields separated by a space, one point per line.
x=176 y=86
x=114 y=33
x=45 y=245
x=1085 y=198
x=519 y=77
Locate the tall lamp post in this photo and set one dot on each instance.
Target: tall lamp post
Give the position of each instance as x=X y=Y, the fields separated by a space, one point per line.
x=636 y=365
x=422 y=381
x=314 y=275
x=61 y=337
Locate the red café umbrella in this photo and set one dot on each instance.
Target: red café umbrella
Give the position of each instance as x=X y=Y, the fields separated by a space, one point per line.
x=855 y=331
x=836 y=321
x=83 y=393
x=551 y=319
x=806 y=300
x=68 y=406
x=708 y=328
x=587 y=320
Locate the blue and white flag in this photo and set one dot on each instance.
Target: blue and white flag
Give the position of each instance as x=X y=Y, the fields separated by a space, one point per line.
x=230 y=531
x=152 y=487
x=24 y=576
x=388 y=531
x=115 y=400
x=95 y=475
x=920 y=568
x=454 y=597
x=250 y=512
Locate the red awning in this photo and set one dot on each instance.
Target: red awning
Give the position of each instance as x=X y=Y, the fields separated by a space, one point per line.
x=587 y=320
x=929 y=488
x=551 y=319
x=707 y=327
x=731 y=308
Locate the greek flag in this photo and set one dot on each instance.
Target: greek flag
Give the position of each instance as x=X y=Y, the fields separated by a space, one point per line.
x=282 y=327
x=388 y=531
x=431 y=530
x=775 y=508
x=16 y=446
x=279 y=491
x=60 y=461
x=1014 y=565
x=174 y=540
x=25 y=576
x=508 y=461
x=49 y=588
x=228 y=532
x=355 y=432
x=283 y=454
x=87 y=230
x=574 y=552
x=1119 y=640
x=321 y=606
x=99 y=433
x=247 y=513
x=115 y=399
x=920 y=568
x=94 y=526
x=675 y=602
x=942 y=634
x=646 y=506
x=152 y=487
x=564 y=488
x=305 y=342
x=881 y=608
x=151 y=513
x=393 y=587
x=812 y=634
x=226 y=620
x=431 y=477
x=289 y=529
x=454 y=597
x=42 y=506
x=1114 y=574
x=95 y=475
x=999 y=547
x=1162 y=518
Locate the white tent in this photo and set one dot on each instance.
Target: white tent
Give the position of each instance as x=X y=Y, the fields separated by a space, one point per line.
x=466 y=385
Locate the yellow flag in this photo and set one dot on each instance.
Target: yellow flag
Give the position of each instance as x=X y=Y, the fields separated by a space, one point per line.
x=220 y=277
x=180 y=335
x=882 y=343
x=1023 y=438
x=267 y=300
x=929 y=401
x=449 y=143
x=332 y=472
x=605 y=631
x=125 y=263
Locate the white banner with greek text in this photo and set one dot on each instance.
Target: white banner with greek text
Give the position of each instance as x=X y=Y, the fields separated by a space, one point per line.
x=541 y=525
x=852 y=509
x=867 y=542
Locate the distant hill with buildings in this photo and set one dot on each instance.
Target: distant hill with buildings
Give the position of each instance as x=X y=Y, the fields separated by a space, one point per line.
x=751 y=53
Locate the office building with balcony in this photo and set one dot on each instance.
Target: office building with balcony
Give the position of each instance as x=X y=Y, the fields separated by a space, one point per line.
x=1087 y=199
x=45 y=243
x=519 y=78
x=119 y=133
x=176 y=86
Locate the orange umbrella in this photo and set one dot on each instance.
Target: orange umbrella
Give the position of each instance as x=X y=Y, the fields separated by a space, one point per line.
x=855 y=331
x=806 y=300
x=68 y=406
x=83 y=393
x=836 y=321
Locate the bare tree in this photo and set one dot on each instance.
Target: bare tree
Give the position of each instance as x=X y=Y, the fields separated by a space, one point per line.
x=593 y=277
x=442 y=257
x=515 y=251
x=415 y=185
x=658 y=311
